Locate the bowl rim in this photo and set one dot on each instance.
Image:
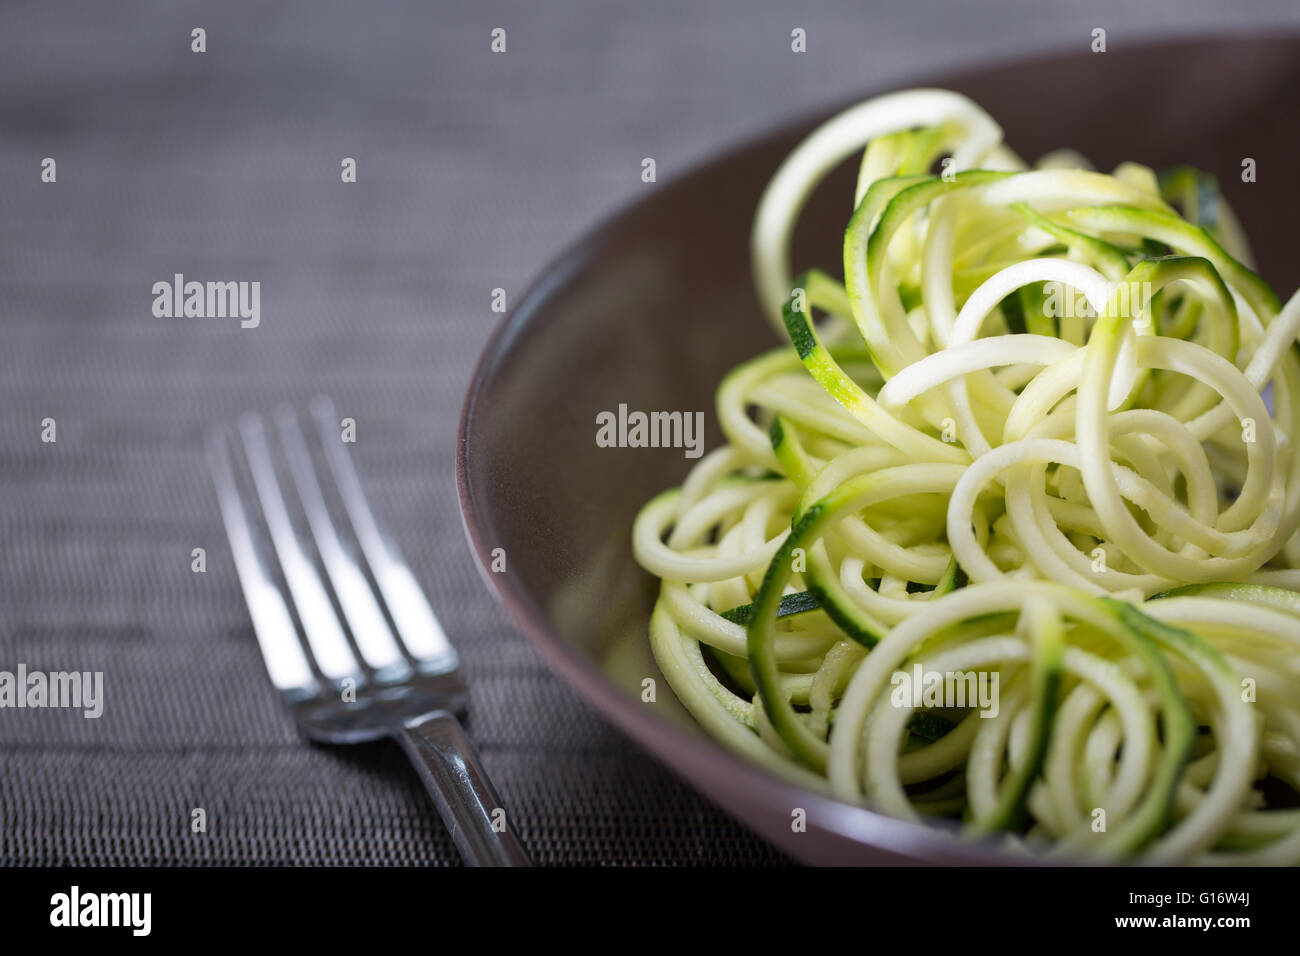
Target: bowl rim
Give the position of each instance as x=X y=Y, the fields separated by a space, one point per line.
x=686 y=754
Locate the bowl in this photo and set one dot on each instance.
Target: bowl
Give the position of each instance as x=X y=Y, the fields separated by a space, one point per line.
x=652 y=308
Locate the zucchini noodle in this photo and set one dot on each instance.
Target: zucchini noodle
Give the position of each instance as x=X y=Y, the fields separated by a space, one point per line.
x=1039 y=436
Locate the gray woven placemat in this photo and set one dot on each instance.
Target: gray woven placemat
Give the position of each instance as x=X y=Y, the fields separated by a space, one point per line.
x=473 y=170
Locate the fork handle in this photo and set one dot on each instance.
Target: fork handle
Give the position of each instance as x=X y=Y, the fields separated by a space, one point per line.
x=453 y=774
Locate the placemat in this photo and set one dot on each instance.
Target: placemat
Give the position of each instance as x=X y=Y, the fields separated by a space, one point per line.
x=473 y=169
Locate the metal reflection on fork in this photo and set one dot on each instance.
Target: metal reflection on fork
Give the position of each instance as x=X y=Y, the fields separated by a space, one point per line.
x=400 y=681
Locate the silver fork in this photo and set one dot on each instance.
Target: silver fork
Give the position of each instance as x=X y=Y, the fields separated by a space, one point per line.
x=405 y=685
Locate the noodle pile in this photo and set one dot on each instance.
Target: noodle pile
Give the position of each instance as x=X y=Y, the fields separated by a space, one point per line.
x=1040 y=434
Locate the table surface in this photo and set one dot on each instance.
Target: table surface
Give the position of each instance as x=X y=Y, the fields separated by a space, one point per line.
x=474 y=170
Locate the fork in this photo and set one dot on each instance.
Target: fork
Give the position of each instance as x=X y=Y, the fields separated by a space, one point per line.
x=400 y=682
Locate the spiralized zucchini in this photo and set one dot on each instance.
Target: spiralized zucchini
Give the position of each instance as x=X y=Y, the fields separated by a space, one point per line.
x=1040 y=432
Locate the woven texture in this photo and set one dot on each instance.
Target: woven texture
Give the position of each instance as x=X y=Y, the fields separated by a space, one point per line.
x=474 y=169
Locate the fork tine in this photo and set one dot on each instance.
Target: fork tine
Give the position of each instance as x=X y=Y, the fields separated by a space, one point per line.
x=417 y=625
x=286 y=664
x=370 y=631
x=328 y=643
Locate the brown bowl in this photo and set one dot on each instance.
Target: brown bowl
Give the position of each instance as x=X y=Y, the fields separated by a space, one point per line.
x=657 y=304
